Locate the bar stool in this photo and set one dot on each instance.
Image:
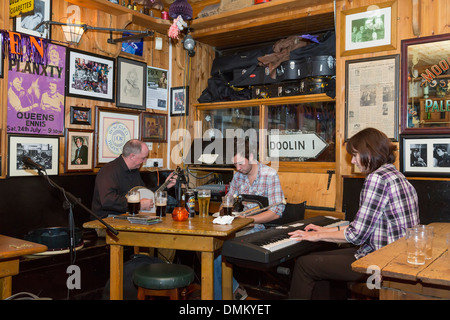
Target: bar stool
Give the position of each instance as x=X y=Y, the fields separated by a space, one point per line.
x=162 y=280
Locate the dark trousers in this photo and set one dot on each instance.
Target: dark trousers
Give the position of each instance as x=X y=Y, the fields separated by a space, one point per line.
x=313 y=269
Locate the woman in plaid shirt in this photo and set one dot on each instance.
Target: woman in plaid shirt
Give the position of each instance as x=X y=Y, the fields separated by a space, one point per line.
x=388 y=206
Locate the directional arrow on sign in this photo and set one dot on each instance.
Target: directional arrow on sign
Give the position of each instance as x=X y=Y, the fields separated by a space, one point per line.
x=296 y=145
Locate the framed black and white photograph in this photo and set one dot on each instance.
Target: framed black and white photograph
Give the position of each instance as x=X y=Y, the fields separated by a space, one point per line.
x=90 y=76
x=369 y=29
x=425 y=155
x=371 y=89
x=79 y=155
x=42 y=150
x=80 y=115
x=179 y=101
x=131 y=84
x=28 y=21
x=114 y=128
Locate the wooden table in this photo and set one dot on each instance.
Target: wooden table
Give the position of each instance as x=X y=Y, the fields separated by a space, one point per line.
x=11 y=249
x=195 y=234
x=401 y=280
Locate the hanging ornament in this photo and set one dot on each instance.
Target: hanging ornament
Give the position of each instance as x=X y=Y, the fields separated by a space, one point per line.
x=181 y=8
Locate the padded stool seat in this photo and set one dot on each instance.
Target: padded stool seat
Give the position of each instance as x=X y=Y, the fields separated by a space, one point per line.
x=162 y=279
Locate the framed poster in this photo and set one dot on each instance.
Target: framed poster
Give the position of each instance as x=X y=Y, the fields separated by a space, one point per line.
x=36 y=102
x=371 y=91
x=42 y=150
x=90 y=76
x=131 y=83
x=179 y=101
x=425 y=85
x=154 y=127
x=27 y=22
x=80 y=115
x=157 y=83
x=79 y=150
x=425 y=155
x=114 y=129
x=369 y=29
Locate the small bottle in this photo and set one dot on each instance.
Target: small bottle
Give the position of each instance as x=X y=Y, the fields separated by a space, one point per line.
x=129 y=6
x=134 y=6
x=189 y=200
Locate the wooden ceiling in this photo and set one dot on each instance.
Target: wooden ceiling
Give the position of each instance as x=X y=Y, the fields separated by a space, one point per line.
x=260 y=23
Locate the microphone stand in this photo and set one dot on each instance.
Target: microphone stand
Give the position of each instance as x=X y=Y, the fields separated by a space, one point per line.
x=69 y=203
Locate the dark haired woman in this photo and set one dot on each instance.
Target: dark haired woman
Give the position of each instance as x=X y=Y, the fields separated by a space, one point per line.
x=388 y=205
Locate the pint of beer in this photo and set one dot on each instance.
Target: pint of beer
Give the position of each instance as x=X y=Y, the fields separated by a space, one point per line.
x=161 y=203
x=227 y=205
x=134 y=202
x=203 y=197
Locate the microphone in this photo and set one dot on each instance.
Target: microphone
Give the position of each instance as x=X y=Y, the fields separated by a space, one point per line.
x=30 y=163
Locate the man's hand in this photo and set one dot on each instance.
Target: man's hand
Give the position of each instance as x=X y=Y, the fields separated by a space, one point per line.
x=146 y=204
x=173 y=180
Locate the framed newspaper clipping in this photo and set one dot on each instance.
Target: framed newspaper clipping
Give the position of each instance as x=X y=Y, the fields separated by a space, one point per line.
x=372 y=87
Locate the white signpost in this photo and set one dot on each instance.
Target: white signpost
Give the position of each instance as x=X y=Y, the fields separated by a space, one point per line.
x=295 y=145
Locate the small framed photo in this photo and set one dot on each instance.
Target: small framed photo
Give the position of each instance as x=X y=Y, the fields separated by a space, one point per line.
x=80 y=115
x=27 y=22
x=114 y=129
x=369 y=29
x=154 y=127
x=179 y=101
x=131 y=84
x=79 y=150
x=42 y=150
x=90 y=76
x=425 y=155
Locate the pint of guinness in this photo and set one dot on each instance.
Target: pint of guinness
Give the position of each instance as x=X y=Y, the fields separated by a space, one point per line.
x=134 y=203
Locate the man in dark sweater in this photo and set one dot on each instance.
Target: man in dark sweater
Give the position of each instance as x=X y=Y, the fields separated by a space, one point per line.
x=117 y=177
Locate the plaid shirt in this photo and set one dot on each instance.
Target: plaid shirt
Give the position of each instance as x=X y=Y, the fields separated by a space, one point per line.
x=266 y=184
x=388 y=205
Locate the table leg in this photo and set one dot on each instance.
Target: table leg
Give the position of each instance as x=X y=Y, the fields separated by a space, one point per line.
x=227 y=280
x=5 y=287
x=116 y=272
x=207 y=285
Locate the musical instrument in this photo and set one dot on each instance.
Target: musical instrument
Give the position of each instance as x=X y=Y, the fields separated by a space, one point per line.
x=273 y=246
x=256 y=210
x=149 y=194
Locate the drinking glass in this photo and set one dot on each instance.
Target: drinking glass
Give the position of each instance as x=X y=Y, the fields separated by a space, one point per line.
x=161 y=203
x=227 y=205
x=134 y=202
x=203 y=197
x=429 y=234
x=415 y=246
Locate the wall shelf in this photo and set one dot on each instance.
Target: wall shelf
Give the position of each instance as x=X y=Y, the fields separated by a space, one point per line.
x=256 y=24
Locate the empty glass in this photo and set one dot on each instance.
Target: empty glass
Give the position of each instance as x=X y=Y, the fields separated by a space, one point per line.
x=415 y=246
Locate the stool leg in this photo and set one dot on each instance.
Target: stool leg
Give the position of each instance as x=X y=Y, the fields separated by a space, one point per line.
x=174 y=294
x=141 y=293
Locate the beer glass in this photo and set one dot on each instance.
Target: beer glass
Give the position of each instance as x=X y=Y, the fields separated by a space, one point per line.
x=415 y=246
x=429 y=234
x=161 y=203
x=134 y=202
x=227 y=205
x=203 y=197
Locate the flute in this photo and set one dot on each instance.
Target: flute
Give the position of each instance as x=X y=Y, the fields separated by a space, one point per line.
x=253 y=211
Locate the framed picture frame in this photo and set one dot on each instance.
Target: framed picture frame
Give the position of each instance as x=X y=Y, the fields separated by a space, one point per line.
x=90 y=76
x=114 y=129
x=27 y=22
x=131 y=84
x=179 y=101
x=80 y=115
x=425 y=155
x=369 y=29
x=79 y=155
x=154 y=127
x=42 y=150
x=372 y=101
x=36 y=101
x=425 y=85
x=157 y=92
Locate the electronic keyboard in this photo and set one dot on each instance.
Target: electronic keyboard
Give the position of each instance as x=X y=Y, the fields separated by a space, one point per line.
x=274 y=246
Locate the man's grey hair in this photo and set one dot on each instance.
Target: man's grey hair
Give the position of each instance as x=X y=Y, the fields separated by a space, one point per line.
x=132 y=146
